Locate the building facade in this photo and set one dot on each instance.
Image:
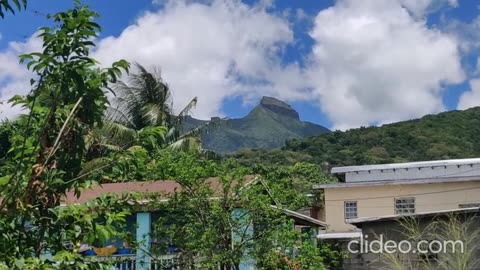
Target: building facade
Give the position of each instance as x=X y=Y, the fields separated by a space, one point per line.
x=397 y=189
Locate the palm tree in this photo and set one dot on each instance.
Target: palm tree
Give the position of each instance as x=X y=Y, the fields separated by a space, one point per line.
x=142 y=115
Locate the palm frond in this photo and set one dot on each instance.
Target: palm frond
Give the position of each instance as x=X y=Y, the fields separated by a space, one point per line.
x=113 y=133
x=186 y=111
x=187 y=144
x=95 y=164
x=116 y=114
x=153 y=137
x=146 y=98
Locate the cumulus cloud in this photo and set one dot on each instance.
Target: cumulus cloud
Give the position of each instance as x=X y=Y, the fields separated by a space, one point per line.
x=14 y=77
x=420 y=8
x=467 y=33
x=211 y=49
x=470 y=98
x=374 y=63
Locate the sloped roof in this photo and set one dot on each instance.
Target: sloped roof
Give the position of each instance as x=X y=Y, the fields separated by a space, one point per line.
x=161 y=187
x=168 y=187
x=301 y=219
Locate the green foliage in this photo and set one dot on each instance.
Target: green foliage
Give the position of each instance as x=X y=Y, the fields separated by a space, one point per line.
x=47 y=149
x=70 y=226
x=162 y=164
x=222 y=224
x=448 y=135
x=11 y=5
x=332 y=254
x=286 y=182
x=143 y=116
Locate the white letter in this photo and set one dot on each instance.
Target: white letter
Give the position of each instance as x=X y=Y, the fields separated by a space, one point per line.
x=408 y=245
x=350 y=249
x=432 y=245
x=380 y=245
x=453 y=246
x=419 y=247
x=387 y=246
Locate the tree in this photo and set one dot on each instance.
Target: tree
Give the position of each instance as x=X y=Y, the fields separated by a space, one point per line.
x=221 y=223
x=66 y=103
x=143 y=115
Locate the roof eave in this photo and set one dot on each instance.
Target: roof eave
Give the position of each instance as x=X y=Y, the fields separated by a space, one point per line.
x=398 y=182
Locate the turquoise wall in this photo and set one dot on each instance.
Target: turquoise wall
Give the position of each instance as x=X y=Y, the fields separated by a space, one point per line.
x=144 y=229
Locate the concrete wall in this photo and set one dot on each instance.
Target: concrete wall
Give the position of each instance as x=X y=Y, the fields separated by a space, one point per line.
x=373 y=201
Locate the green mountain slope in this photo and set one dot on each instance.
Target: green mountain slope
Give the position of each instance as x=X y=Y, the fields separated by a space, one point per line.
x=454 y=134
x=267 y=126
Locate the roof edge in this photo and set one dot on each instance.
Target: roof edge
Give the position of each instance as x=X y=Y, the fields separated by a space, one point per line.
x=399 y=182
x=417 y=164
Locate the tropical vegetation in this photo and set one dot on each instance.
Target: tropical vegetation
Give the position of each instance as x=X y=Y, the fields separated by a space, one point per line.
x=73 y=137
x=454 y=134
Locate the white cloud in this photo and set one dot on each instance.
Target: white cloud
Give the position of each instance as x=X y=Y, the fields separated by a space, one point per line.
x=468 y=33
x=419 y=8
x=470 y=98
x=14 y=77
x=211 y=50
x=374 y=63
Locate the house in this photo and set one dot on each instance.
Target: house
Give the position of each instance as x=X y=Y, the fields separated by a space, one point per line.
x=395 y=189
x=141 y=222
x=395 y=228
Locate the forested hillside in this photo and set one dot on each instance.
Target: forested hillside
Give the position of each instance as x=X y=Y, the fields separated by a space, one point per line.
x=448 y=135
x=269 y=125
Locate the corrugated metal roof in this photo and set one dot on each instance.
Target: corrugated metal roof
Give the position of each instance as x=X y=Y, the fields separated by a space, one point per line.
x=398 y=182
x=306 y=219
x=406 y=165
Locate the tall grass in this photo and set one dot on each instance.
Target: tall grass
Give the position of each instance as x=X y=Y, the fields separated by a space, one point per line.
x=452 y=227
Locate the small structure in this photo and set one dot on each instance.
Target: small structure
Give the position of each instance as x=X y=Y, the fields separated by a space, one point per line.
x=401 y=188
x=141 y=223
x=392 y=190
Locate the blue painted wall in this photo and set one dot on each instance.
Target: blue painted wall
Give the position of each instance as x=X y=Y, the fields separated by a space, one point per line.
x=144 y=229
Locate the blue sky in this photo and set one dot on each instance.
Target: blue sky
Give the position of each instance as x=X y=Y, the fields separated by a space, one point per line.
x=341 y=64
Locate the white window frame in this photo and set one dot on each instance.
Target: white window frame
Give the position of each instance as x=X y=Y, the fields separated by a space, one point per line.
x=350 y=209
x=404 y=205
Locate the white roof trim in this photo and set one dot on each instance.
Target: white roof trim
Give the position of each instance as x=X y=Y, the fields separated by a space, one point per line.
x=399 y=182
x=448 y=162
x=339 y=235
x=393 y=217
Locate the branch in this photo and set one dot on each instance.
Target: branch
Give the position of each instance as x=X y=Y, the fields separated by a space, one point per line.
x=57 y=140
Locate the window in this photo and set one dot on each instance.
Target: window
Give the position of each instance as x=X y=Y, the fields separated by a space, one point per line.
x=404 y=205
x=351 y=210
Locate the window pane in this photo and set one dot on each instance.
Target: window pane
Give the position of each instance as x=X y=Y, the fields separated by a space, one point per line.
x=405 y=205
x=350 y=209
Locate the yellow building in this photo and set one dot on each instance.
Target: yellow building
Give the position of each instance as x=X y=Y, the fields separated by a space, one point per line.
x=397 y=189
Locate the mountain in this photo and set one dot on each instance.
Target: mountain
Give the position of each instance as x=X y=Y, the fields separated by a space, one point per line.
x=267 y=126
x=448 y=135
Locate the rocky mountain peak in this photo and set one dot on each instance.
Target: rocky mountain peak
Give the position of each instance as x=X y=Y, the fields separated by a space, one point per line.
x=278 y=106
